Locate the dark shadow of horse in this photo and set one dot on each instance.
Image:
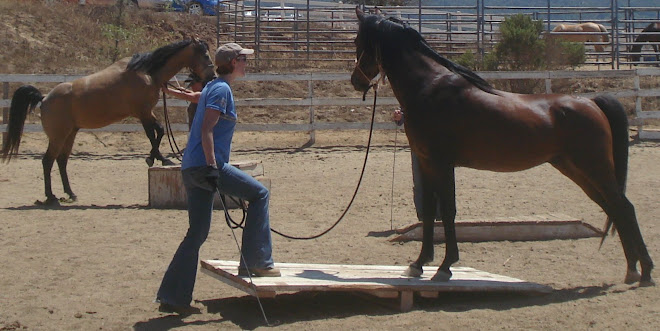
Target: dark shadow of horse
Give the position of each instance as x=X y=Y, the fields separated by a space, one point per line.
x=454 y=118
x=129 y=87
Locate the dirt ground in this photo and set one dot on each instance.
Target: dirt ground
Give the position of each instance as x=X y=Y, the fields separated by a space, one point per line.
x=97 y=263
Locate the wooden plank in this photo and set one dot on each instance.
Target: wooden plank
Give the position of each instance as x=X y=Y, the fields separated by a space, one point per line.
x=535 y=227
x=649 y=134
x=406 y=301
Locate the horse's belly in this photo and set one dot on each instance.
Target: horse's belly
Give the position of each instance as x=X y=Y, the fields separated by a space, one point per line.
x=509 y=158
x=95 y=120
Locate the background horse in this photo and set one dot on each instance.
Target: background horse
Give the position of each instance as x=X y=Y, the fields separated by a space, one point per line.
x=129 y=87
x=454 y=118
x=650 y=34
x=589 y=28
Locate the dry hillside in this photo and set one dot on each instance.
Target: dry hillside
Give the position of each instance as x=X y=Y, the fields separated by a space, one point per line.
x=60 y=37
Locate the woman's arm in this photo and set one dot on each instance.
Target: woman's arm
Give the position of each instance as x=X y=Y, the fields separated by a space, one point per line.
x=182 y=93
x=211 y=117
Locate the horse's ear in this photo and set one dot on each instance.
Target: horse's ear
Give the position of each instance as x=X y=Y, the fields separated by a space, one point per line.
x=359 y=13
x=194 y=39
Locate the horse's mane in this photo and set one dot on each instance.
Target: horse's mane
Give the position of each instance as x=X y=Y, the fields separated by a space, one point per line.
x=419 y=43
x=151 y=62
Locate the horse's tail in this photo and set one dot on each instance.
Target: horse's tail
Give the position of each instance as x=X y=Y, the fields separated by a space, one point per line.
x=616 y=116
x=26 y=97
x=606 y=37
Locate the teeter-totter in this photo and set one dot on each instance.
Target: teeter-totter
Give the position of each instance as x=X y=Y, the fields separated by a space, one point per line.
x=379 y=281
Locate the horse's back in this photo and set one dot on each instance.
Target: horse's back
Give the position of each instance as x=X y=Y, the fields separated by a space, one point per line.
x=110 y=95
x=526 y=130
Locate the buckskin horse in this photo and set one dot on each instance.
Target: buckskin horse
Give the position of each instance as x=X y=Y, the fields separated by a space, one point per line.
x=583 y=32
x=650 y=34
x=129 y=87
x=454 y=118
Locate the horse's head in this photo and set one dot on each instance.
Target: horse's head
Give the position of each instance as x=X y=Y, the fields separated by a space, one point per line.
x=200 y=63
x=367 y=63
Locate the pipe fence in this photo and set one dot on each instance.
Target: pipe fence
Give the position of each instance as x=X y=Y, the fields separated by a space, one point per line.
x=300 y=30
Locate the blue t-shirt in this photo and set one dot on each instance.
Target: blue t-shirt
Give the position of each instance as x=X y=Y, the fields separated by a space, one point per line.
x=216 y=96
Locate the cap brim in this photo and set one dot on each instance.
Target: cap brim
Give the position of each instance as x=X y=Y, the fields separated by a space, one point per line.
x=246 y=51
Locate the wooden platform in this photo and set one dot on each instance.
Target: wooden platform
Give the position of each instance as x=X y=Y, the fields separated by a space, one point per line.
x=166 y=189
x=520 y=228
x=380 y=281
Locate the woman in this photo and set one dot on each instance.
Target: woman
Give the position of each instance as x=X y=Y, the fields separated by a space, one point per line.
x=418 y=194
x=205 y=169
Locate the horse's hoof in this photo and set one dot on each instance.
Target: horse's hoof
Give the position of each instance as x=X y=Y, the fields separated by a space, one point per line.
x=150 y=161
x=71 y=199
x=49 y=202
x=646 y=283
x=413 y=272
x=167 y=162
x=441 y=276
x=632 y=277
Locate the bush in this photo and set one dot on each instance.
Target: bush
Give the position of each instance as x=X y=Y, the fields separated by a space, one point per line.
x=522 y=49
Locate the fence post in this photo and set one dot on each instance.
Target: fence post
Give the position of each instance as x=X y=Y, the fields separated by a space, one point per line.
x=5 y=110
x=312 y=116
x=638 y=104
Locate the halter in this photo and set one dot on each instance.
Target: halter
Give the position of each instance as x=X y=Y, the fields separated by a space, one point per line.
x=373 y=82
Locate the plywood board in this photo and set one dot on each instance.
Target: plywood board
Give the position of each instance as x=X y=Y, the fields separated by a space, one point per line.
x=521 y=228
x=381 y=281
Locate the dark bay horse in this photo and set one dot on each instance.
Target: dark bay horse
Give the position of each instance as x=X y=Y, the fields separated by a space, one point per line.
x=650 y=34
x=454 y=118
x=129 y=87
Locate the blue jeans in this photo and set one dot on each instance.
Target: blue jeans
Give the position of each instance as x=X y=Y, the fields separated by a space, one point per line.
x=417 y=189
x=179 y=280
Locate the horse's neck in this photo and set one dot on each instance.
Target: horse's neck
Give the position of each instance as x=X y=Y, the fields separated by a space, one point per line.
x=173 y=65
x=411 y=72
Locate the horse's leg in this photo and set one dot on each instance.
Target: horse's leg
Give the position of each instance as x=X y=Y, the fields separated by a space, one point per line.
x=47 y=161
x=160 y=133
x=150 y=131
x=62 y=161
x=155 y=133
x=599 y=184
x=428 y=215
x=447 y=199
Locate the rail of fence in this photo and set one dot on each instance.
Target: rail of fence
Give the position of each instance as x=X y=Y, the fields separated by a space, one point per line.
x=314 y=102
x=323 y=31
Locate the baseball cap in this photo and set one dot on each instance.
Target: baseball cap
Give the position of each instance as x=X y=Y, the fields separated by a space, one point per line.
x=228 y=52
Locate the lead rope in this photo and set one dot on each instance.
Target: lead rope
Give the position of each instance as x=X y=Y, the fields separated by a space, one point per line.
x=364 y=166
x=396 y=133
x=168 y=129
x=230 y=221
x=238 y=246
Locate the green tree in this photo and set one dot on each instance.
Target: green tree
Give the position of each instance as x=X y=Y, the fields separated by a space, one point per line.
x=521 y=48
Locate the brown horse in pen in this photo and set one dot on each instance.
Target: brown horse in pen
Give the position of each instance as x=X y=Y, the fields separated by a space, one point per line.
x=454 y=118
x=650 y=34
x=583 y=32
x=129 y=87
